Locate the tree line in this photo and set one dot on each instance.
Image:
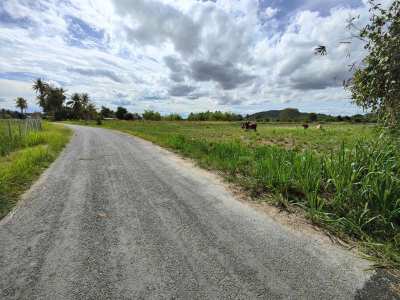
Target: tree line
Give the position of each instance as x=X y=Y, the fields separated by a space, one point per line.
x=56 y=105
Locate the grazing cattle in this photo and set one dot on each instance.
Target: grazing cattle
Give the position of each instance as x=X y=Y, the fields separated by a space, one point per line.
x=305 y=126
x=319 y=126
x=249 y=125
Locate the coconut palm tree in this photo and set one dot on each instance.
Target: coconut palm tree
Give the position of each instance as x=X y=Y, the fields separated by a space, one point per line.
x=56 y=98
x=85 y=99
x=91 y=112
x=321 y=50
x=42 y=89
x=76 y=104
x=21 y=103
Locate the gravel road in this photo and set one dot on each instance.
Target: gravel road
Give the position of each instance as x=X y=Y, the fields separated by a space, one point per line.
x=116 y=217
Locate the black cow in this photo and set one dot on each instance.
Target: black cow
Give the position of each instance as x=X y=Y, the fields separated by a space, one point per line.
x=249 y=125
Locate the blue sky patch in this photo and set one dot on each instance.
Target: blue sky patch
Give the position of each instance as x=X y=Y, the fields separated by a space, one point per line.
x=81 y=33
x=20 y=76
x=7 y=19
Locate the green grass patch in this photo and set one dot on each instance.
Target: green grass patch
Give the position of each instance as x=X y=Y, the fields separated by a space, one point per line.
x=16 y=134
x=19 y=168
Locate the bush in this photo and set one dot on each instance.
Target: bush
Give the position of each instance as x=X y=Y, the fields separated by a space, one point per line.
x=151 y=115
x=121 y=112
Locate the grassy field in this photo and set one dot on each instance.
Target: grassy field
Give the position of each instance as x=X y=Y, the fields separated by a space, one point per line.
x=288 y=136
x=346 y=177
x=24 y=156
x=16 y=134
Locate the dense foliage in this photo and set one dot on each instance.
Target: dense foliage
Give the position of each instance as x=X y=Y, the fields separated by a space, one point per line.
x=214 y=116
x=376 y=84
x=52 y=100
x=151 y=115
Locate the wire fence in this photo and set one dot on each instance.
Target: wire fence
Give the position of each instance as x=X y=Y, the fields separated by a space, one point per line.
x=14 y=131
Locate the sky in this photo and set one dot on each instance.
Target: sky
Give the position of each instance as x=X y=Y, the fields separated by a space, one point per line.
x=183 y=56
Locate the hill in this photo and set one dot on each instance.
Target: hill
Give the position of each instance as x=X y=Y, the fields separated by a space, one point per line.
x=289 y=114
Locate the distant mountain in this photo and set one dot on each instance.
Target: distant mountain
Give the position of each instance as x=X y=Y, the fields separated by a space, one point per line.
x=288 y=114
x=270 y=114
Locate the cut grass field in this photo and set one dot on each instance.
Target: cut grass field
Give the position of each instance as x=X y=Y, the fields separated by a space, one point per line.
x=25 y=159
x=345 y=177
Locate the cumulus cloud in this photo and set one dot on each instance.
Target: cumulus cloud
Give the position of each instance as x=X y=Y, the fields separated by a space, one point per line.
x=96 y=73
x=182 y=55
x=177 y=69
x=152 y=22
x=229 y=100
x=181 y=90
x=227 y=75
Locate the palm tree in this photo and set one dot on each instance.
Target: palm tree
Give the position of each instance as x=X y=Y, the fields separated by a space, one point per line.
x=56 y=98
x=39 y=85
x=41 y=88
x=21 y=103
x=76 y=105
x=91 y=112
x=85 y=99
x=321 y=50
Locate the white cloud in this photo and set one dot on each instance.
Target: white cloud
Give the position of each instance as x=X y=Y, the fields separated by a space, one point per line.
x=179 y=55
x=270 y=12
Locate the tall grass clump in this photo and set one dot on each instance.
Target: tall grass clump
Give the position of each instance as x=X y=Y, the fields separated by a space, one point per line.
x=20 y=167
x=16 y=134
x=354 y=192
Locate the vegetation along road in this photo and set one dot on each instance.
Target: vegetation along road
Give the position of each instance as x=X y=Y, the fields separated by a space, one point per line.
x=116 y=217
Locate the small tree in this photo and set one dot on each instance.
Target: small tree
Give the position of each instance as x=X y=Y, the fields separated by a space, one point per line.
x=105 y=112
x=21 y=103
x=376 y=85
x=121 y=112
x=312 y=117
